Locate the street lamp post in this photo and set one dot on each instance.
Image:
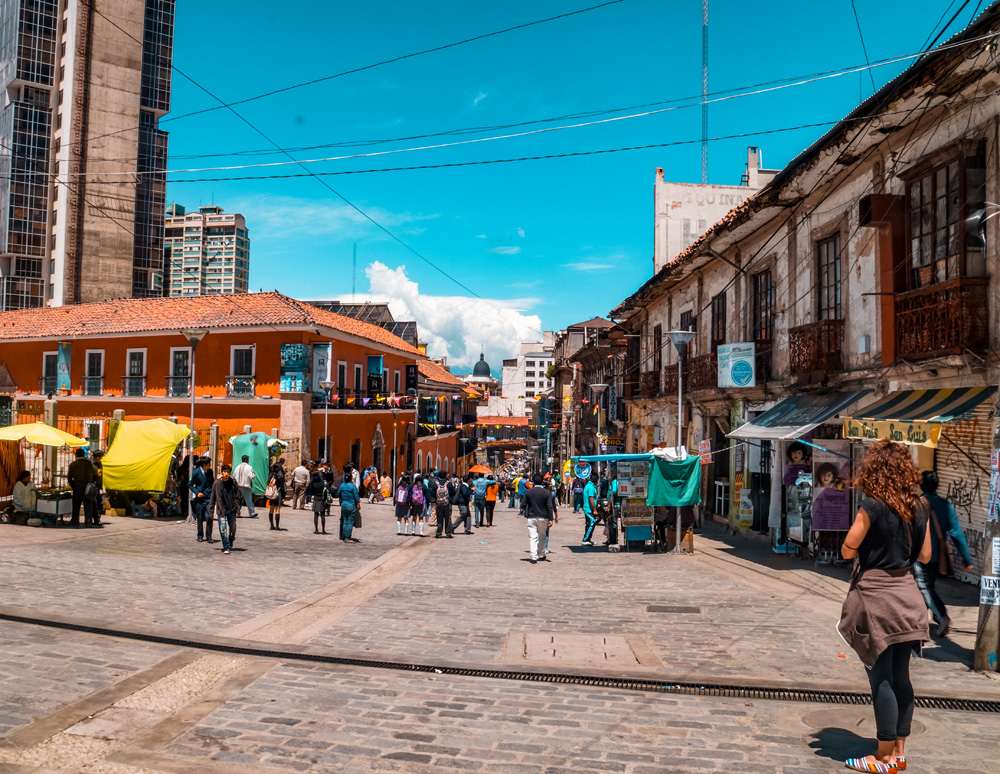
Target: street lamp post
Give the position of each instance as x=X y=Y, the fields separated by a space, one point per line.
x=194 y=337
x=395 y=415
x=681 y=340
x=326 y=386
x=598 y=392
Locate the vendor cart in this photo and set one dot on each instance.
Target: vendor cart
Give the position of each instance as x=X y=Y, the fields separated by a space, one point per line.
x=53 y=504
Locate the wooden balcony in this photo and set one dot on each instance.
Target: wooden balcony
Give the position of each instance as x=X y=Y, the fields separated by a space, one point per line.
x=816 y=347
x=702 y=373
x=649 y=384
x=670 y=380
x=943 y=319
x=630 y=385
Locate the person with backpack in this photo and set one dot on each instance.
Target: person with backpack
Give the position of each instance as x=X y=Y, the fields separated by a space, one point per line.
x=444 y=496
x=320 y=500
x=275 y=493
x=578 y=486
x=463 y=497
x=350 y=504
x=402 y=504
x=418 y=501
x=428 y=486
x=944 y=524
x=371 y=485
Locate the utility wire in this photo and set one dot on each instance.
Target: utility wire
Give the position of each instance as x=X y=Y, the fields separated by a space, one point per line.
x=864 y=48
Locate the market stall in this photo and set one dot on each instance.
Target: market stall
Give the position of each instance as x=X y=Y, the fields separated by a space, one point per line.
x=649 y=481
x=260 y=448
x=53 y=502
x=137 y=466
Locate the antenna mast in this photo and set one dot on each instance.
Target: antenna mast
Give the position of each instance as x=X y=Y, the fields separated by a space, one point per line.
x=704 y=91
x=354 y=274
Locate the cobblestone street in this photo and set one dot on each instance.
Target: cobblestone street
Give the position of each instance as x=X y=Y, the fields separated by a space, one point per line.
x=72 y=701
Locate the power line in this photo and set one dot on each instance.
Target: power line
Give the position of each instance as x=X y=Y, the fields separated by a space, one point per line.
x=864 y=48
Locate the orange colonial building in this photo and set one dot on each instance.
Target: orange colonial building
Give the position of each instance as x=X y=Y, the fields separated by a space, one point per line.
x=262 y=363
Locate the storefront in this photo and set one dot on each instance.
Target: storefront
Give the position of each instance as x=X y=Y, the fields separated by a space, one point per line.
x=810 y=503
x=951 y=431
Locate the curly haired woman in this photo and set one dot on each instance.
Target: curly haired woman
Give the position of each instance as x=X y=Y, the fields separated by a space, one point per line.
x=884 y=618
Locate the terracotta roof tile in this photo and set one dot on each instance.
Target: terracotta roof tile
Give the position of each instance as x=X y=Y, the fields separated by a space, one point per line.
x=436 y=373
x=149 y=315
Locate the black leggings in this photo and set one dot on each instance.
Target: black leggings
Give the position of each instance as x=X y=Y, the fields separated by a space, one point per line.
x=892 y=693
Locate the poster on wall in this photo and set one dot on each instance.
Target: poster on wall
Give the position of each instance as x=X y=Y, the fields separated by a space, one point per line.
x=321 y=367
x=831 y=501
x=63 y=380
x=737 y=365
x=633 y=478
x=746 y=509
x=296 y=362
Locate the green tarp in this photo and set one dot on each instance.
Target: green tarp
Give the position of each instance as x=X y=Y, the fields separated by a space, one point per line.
x=139 y=457
x=674 y=483
x=257 y=447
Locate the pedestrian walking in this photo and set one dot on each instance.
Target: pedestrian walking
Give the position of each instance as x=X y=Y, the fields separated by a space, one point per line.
x=350 y=504
x=300 y=480
x=463 y=500
x=492 y=492
x=81 y=476
x=428 y=488
x=590 y=509
x=513 y=490
x=372 y=485
x=97 y=502
x=244 y=475
x=222 y=505
x=554 y=489
x=944 y=522
x=182 y=473
x=884 y=619
x=444 y=493
x=201 y=490
x=578 y=487
x=479 y=487
x=538 y=513
x=401 y=503
x=418 y=503
x=385 y=485
x=275 y=494
x=320 y=505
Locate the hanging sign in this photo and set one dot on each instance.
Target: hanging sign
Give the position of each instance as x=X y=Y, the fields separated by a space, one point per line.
x=705 y=450
x=913 y=433
x=989 y=590
x=738 y=365
x=746 y=509
x=63 y=380
x=831 y=506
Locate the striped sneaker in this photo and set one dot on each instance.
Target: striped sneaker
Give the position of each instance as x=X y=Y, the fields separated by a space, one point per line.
x=862 y=764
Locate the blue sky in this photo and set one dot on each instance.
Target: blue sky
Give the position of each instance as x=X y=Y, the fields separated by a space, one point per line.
x=549 y=242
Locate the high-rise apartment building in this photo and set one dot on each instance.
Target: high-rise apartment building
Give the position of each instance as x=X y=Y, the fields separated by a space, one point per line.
x=207 y=251
x=82 y=160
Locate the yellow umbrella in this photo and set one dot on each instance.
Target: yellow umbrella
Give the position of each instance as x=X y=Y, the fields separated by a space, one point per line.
x=41 y=433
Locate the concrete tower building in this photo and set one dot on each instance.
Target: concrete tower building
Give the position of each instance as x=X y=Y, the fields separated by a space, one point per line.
x=205 y=252
x=82 y=160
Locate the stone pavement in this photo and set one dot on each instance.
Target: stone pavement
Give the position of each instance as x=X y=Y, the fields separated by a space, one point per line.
x=74 y=702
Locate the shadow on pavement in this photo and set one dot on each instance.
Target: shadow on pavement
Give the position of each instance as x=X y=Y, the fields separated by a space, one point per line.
x=839 y=744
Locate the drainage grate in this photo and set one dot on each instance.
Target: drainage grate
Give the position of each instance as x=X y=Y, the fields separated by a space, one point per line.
x=671 y=609
x=729 y=690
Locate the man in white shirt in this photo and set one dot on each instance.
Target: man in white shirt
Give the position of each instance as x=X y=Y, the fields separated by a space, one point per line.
x=244 y=476
x=25 y=496
x=300 y=480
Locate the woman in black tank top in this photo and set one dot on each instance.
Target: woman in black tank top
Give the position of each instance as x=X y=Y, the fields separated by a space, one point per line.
x=884 y=618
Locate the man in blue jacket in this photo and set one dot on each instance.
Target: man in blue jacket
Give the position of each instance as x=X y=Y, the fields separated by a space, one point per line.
x=200 y=489
x=944 y=522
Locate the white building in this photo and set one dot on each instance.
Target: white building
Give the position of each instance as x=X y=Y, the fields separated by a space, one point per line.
x=523 y=378
x=684 y=211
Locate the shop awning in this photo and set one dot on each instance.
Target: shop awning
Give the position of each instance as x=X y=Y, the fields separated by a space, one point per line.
x=797 y=415
x=914 y=416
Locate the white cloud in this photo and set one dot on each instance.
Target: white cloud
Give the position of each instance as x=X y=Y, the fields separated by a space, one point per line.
x=505 y=250
x=480 y=236
x=479 y=98
x=520 y=233
x=456 y=326
x=589 y=266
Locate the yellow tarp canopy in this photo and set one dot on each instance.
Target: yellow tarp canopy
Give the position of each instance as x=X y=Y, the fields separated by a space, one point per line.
x=139 y=457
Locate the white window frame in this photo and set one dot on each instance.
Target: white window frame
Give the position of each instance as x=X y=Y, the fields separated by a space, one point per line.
x=86 y=362
x=55 y=354
x=145 y=362
x=190 y=357
x=253 y=359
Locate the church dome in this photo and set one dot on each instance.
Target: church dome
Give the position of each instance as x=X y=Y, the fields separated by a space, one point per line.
x=482 y=368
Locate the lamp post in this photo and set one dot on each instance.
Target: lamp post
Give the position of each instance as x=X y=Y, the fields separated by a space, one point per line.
x=681 y=340
x=326 y=386
x=395 y=415
x=194 y=337
x=598 y=392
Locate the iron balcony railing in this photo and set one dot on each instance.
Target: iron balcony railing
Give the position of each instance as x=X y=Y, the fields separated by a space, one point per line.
x=943 y=319
x=133 y=386
x=92 y=385
x=178 y=387
x=241 y=387
x=816 y=347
